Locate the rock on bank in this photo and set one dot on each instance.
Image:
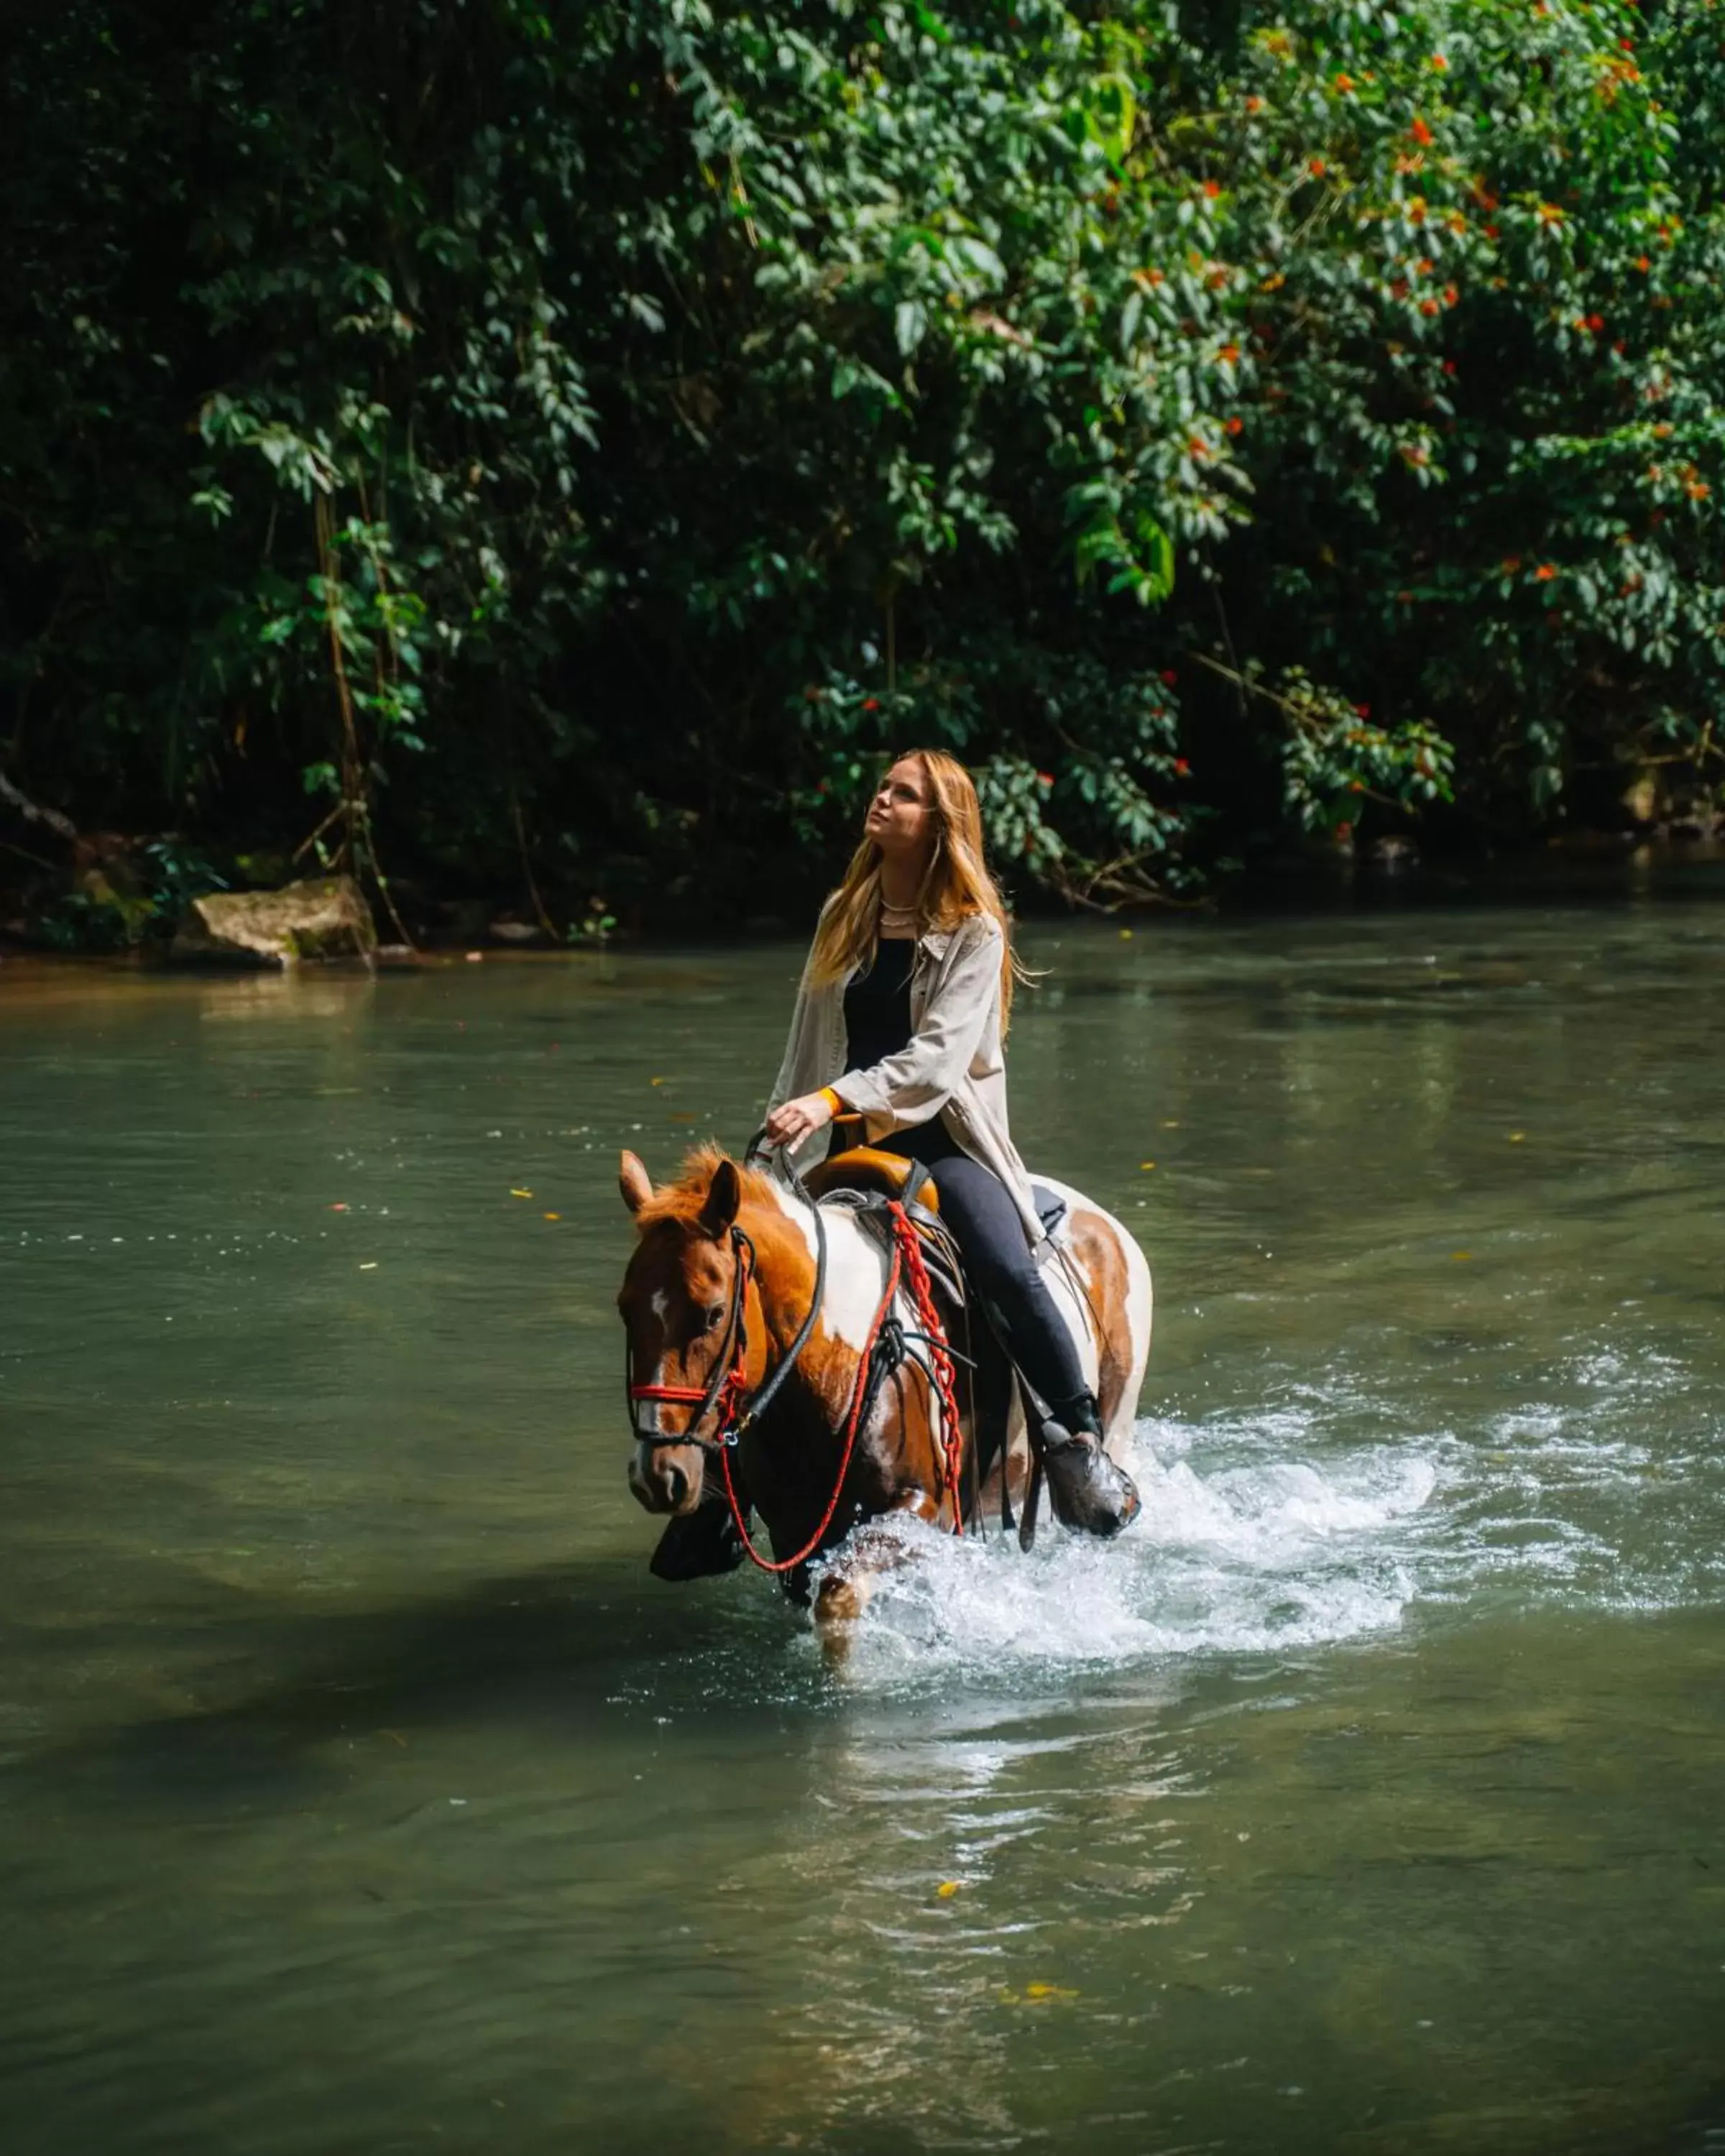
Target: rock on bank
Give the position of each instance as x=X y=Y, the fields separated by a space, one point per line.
x=321 y=917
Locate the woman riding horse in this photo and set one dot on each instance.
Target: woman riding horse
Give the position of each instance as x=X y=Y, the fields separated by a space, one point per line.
x=901 y=1021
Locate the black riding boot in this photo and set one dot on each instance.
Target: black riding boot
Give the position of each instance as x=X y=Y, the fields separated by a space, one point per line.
x=695 y=1545
x=1089 y=1492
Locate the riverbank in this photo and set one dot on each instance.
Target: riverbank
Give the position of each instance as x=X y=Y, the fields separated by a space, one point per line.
x=1583 y=867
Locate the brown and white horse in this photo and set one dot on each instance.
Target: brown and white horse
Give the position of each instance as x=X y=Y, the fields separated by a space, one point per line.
x=720 y=1288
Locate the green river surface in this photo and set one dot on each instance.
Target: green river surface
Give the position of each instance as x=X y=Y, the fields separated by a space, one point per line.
x=360 y=1790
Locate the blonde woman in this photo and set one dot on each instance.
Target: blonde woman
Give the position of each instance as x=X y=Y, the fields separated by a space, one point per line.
x=902 y=1020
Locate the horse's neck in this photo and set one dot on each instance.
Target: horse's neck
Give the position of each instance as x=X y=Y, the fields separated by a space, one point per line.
x=856 y=1269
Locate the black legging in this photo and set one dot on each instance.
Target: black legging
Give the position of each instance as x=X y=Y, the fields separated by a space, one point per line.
x=978 y=1209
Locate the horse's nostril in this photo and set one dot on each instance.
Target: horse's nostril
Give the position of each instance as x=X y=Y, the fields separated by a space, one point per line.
x=676 y=1485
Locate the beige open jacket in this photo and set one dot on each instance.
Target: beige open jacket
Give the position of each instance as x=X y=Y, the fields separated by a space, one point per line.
x=953 y=1066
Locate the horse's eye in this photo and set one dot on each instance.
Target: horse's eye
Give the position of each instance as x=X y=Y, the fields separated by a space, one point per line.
x=715 y=1315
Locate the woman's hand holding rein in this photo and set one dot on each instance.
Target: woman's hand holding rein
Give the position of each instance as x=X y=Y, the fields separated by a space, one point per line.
x=792 y=1121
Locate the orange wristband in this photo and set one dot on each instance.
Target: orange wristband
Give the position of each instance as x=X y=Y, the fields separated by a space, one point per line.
x=832 y=1100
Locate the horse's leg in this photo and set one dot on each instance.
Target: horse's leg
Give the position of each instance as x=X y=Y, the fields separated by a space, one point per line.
x=901 y=1453
x=847 y=1586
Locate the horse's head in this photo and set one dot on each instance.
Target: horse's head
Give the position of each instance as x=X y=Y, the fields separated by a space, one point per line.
x=679 y=1304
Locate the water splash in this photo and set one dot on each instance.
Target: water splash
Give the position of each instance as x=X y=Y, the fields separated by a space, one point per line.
x=1301 y=1525
x=1277 y=1551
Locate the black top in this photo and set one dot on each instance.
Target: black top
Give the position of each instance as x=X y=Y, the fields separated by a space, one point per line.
x=877 y=1006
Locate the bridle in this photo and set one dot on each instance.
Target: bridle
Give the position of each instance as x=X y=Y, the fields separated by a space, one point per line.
x=726 y=1395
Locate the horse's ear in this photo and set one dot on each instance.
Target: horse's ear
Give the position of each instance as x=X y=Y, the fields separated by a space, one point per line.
x=724 y=1195
x=633 y=1180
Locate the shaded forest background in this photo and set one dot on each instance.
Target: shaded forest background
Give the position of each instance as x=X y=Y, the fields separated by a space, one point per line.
x=544 y=453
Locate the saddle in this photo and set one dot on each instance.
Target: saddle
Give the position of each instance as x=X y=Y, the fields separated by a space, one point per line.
x=865 y=1173
x=861 y=1166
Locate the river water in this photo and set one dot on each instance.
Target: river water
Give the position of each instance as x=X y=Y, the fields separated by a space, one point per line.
x=359 y=1790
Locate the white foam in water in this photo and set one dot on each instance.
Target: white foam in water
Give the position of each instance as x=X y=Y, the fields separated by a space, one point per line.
x=1319 y=1516
x=1277 y=1552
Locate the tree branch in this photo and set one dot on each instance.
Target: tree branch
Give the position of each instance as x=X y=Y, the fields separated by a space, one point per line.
x=34 y=813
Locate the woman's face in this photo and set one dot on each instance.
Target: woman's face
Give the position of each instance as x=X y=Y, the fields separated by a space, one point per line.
x=901 y=819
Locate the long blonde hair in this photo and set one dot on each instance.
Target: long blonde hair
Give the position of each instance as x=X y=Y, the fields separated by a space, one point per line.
x=956 y=885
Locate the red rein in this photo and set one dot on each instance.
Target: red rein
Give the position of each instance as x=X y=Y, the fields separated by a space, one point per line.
x=907 y=1262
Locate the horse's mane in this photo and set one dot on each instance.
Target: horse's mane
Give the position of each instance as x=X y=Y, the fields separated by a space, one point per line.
x=683 y=1199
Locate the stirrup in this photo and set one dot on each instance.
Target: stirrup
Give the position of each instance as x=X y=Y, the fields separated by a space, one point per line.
x=1091 y=1494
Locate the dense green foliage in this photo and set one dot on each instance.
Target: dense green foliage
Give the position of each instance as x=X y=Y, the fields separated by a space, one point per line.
x=552 y=451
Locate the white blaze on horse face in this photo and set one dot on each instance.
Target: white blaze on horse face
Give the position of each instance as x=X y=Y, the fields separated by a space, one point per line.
x=660 y=1304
